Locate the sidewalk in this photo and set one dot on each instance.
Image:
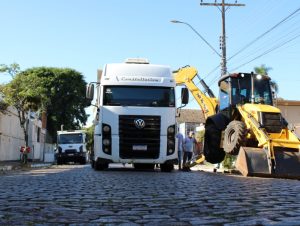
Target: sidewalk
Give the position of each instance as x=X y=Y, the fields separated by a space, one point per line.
x=16 y=165
x=207 y=167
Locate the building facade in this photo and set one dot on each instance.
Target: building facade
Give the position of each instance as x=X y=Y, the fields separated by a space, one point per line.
x=12 y=137
x=290 y=110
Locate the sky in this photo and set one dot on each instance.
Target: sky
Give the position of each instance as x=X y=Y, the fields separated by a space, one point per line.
x=86 y=34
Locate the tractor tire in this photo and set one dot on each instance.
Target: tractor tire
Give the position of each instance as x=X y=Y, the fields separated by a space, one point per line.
x=234 y=137
x=212 y=139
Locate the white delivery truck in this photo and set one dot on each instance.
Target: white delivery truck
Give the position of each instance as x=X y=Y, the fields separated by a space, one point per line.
x=136 y=116
x=71 y=147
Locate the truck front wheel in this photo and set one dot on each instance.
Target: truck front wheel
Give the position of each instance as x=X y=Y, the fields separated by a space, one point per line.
x=59 y=161
x=100 y=166
x=83 y=161
x=166 y=167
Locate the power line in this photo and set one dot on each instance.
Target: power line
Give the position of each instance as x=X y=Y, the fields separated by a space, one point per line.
x=265 y=33
x=287 y=18
x=266 y=52
x=280 y=39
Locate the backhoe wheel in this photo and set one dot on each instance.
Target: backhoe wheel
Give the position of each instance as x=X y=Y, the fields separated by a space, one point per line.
x=234 y=137
x=212 y=139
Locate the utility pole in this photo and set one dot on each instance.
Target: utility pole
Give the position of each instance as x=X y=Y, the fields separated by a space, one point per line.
x=223 y=36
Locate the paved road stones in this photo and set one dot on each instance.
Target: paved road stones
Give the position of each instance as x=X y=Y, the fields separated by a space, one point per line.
x=78 y=195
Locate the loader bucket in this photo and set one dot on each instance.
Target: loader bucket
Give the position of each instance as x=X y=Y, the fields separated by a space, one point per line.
x=254 y=162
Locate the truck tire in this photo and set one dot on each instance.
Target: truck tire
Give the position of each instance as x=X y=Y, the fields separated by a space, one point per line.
x=93 y=164
x=234 y=137
x=100 y=166
x=59 y=161
x=83 y=161
x=143 y=166
x=167 y=167
x=212 y=139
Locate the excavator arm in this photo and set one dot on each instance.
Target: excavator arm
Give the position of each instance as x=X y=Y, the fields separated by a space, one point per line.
x=208 y=103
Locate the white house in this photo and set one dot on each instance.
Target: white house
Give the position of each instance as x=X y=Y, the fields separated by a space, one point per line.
x=12 y=138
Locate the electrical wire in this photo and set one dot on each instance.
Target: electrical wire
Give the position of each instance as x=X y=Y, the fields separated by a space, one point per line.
x=284 y=20
x=265 y=33
x=268 y=51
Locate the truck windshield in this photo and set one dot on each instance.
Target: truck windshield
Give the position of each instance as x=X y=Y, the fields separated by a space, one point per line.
x=145 y=96
x=74 y=138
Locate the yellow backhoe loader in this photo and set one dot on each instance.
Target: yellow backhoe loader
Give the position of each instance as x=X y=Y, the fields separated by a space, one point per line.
x=245 y=123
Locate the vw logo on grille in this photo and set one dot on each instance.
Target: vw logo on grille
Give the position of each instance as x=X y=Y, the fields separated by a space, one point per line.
x=139 y=123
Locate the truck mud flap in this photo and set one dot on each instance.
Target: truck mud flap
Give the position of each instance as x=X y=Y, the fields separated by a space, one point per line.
x=254 y=162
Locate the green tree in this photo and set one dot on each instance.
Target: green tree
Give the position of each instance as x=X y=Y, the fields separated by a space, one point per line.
x=264 y=70
x=90 y=137
x=65 y=89
x=24 y=93
x=58 y=91
x=11 y=69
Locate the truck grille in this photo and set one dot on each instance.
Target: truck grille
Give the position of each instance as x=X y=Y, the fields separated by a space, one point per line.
x=272 y=122
x=139 y=142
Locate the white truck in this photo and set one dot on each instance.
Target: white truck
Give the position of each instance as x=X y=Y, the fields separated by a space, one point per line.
x=136 y=116
x=71 y=147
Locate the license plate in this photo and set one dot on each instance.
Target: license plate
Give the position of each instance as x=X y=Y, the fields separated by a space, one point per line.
x=139 y=147
x=70 y=154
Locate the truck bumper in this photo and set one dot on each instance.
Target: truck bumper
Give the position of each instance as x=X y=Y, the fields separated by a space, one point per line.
x=71 y=157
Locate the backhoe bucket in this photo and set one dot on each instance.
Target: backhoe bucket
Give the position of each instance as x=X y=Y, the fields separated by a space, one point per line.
x=255 y=162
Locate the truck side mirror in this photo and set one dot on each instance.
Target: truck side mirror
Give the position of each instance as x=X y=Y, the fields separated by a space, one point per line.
x=89 y=92
x=184 y=96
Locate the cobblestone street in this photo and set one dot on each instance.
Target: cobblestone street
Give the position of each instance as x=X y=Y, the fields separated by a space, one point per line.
x=78 y=195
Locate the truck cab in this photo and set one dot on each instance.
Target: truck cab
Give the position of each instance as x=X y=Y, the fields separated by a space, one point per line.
x=136 y=115
x=71 y=147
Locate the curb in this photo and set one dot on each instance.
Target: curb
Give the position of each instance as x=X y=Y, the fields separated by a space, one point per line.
x=18 y=166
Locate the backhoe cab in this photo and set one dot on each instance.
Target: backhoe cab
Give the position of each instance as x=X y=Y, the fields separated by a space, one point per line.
x=241 y=88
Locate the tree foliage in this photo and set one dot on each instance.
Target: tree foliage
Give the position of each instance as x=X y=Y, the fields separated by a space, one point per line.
x=25 y=93
x=58 y=91
x=65 y=89
x=90 y=137
x=264 y=70
x=11 y=69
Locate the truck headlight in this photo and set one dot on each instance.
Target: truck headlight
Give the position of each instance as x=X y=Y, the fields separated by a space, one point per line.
x=171 y=140
x=170 y=143
x=171 y=130
x=106 y=139
x=106 y=142
x=170 y=151
x=106 y=150
x=106 y=129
